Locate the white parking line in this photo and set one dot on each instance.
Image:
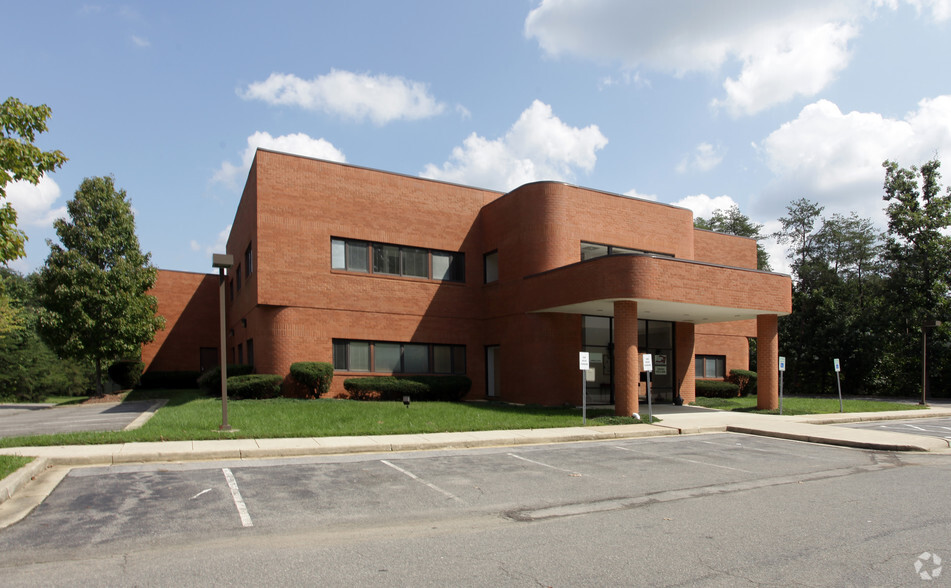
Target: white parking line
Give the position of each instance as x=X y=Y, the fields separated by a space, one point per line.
x=238 y=501
x=574 y=474
x=683 y=459
x=915 y=427
x=422 y=481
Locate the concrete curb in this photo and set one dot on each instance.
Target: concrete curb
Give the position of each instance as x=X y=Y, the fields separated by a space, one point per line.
x=146 y=415
x=844 y=438
x=21 y=477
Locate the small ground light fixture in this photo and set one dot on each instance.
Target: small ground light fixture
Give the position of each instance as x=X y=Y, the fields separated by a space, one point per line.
x=406 y=401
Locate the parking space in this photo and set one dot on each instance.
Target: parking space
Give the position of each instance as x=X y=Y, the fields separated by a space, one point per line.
x=18 y=420
x=929 y=427
x=98 y=507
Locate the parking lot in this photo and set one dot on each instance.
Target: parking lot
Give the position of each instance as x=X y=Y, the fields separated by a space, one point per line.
x=930 y=427
x=768 y=509
x=19 y=419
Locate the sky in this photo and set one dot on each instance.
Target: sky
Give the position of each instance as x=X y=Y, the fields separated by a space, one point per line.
x=703 y=103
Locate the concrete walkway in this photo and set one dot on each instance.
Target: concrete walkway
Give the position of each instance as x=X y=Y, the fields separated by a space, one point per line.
x=53 y=463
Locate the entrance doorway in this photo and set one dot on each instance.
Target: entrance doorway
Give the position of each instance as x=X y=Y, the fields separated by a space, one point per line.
x=654 y=337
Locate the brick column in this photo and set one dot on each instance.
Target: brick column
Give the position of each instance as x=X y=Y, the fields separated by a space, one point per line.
x=684 y=360
x=767 y=362
x=626 y=368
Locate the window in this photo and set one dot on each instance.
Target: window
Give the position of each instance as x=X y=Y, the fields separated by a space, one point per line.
x=491 y=262
x=415 y=262
x=237 y=277
x=248 y=261
x=710 y=366
x=593 y=250
x=396 y=260
x=386 y=259
x=410 y=358
x=448 y=266
x=240 y=354
x=250 y=351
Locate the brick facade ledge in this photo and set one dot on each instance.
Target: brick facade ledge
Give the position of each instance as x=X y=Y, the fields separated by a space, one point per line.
x=665 y=288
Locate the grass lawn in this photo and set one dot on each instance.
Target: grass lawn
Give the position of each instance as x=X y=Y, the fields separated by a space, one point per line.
x=189 y=415
x=795 y=405
x=11 y=463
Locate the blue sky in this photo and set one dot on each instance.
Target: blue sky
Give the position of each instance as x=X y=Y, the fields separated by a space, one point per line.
x=698 y=103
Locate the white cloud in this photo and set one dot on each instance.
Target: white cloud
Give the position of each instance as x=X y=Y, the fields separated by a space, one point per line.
x=836 y=158
x=703 y=206
x=35 y=204
x=539 y=146
x=230 y=174
x=219 y=246
x=784 y=49
x=705 y=158
x=940 y=9
x=140 y=41
x=380 y=98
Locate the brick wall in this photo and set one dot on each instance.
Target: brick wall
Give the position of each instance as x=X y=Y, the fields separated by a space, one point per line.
x=189 y=303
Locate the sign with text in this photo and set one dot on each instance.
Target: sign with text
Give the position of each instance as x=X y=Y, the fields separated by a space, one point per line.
x=836 y=365
x=648 y=362
x=584 y=361
x=782 y=363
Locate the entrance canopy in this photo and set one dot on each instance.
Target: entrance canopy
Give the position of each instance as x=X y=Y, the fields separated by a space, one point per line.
x=664 y=288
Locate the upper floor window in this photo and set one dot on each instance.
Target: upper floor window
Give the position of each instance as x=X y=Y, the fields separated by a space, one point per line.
x=491 y=263
x=248 y=261
x=397 y=260
x=593 y=250
x=237 y=277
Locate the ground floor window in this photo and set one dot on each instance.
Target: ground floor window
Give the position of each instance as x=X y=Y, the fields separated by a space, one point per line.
x=710 y=366
x=398 y=358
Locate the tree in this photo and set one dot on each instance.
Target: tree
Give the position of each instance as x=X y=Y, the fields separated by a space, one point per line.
x=918 y=251
x=29 y=370
x=20 y=159
x=95 y=285
x=733 y=222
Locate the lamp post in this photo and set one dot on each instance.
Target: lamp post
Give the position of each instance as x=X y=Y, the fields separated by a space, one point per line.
x=222 y=262
x=925 y=325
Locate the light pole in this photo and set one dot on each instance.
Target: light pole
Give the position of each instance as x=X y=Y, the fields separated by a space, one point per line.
x=222 y=262
x=925 y=325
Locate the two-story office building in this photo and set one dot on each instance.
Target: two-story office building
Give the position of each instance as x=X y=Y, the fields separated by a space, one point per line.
x=382 y=273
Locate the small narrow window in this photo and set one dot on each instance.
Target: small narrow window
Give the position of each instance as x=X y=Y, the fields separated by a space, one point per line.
x=240 y=354
x=338 y=254
x=491 y=263
x=251 y=352
x=237 y=277
x=248 y=261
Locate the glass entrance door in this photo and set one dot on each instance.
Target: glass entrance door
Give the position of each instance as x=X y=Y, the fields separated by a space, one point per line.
x=598 y=338
x=657 y=338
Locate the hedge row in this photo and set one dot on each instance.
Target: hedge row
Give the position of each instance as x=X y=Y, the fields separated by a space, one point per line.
x=717 y=389
x=255 y=386
x=418 y=388
x=210 y=381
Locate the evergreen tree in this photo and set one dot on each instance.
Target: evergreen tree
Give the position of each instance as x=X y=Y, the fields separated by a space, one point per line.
x=95 y=285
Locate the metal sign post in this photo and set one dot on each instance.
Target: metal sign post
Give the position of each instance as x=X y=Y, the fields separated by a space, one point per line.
x=782 y=368
x=584 y=363
x=649 y=367
x=839 y=384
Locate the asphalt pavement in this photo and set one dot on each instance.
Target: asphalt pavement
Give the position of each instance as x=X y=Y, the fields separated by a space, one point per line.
x=45 y=419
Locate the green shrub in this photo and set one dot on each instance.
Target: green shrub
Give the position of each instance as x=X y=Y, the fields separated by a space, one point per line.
x=419 y=388
x=313 y=374
x=255 y=386
x=126 y=372
x=717 y=389
x=745 y=379
x=210 y=381
x=176 y=380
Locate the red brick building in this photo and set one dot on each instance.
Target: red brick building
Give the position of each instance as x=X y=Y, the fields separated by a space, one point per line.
x=382 y=273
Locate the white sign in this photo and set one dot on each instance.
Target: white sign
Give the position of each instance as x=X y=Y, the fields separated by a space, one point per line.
x=648 y=362
x=782 y=363
x=837 y=365
x=584 y=361
x=590 y=375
